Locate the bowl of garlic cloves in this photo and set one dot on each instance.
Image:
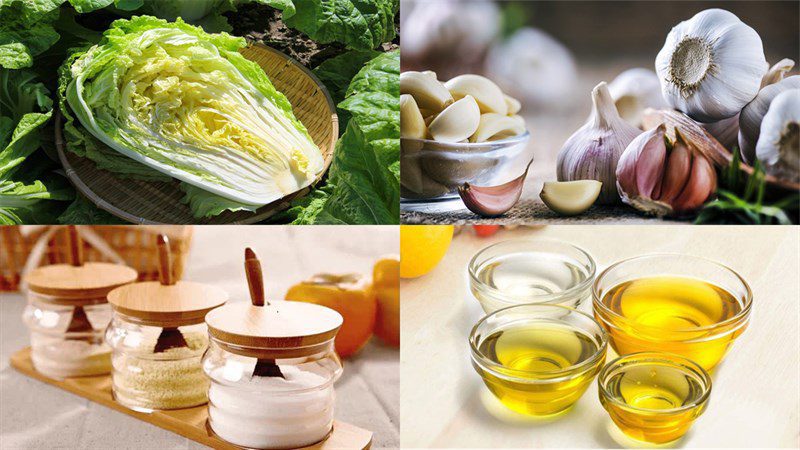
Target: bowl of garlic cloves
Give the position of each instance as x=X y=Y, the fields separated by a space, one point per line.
x=461 y=138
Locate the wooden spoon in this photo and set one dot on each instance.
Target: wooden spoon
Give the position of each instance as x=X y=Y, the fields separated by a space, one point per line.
x=255 y=280
x=170 y=337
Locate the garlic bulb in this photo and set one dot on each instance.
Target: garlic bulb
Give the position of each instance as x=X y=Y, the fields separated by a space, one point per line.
x=534 y=67
x=659 y=181
x=778 y=145
x=592 y=152
x=711 y=65
x=635 y=90
x=448 y=33
x=752 y=115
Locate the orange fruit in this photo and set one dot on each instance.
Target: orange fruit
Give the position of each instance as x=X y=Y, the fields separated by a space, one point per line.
x=422 y=247
x=352 y=296
x=386 y=284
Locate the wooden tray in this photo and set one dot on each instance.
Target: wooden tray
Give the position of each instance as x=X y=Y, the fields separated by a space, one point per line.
x=148 y=202
x=189 y=422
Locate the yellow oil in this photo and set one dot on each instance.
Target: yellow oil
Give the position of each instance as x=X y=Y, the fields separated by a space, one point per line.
x=671 y=314
x=536 y=374
x=658 y=402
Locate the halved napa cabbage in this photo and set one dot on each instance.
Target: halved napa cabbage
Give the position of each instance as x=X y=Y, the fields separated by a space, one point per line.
x=189 y=105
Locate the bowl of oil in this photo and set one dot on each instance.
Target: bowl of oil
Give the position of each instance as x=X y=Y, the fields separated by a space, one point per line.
x=654 y=397
x=538 y=360
x=536 y=271
x=681 y=304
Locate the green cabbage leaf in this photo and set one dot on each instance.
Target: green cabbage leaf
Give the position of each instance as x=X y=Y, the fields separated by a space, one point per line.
x=170 y=99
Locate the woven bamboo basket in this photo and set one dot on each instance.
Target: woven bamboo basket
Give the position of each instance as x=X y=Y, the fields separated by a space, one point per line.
x=136 y=245
x=147 y=202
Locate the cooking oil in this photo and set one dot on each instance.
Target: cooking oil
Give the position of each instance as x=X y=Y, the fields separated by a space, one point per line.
x=682 y=315
x=540 y=367
x=528 y=277
x=652 y=397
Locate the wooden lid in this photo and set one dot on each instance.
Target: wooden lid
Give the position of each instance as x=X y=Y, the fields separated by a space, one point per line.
x=167 y=302
x=152 y=303
x=278 y=325
x=271 y=330
x=78 y=282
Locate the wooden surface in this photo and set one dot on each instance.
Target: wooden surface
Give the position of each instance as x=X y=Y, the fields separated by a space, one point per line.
x=756 y=396
x=188 y=422
x=35 y=415
x=156 y=202
x=91 y=280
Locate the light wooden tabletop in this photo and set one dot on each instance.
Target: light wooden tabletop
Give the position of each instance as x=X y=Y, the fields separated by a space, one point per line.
x=36 y=415
x=756 y=396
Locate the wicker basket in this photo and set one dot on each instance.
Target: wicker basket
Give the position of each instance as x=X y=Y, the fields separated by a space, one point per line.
x=135 y=244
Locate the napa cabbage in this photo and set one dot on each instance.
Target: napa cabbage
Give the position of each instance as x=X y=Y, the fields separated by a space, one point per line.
x=188 y=105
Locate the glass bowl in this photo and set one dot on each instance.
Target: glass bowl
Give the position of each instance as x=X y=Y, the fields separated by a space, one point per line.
x=432 y=170
x=654 y=397
x=538 y=360
x=674 y=328
x=531 y=271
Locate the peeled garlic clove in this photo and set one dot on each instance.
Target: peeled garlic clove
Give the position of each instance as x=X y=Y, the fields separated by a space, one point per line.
x=492 y=201
x=635 y=90
x=431 y=74
x=570 y=198
x=427 y=92
x=711 y=65
x=593 y=151
x=778 y=146
x=457 y=122
x=513 y=105
x=492 y=124
x=752 y=115
x=412 y=125
x=489 y=97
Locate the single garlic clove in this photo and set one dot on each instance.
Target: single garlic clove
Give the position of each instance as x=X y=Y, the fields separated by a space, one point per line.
x=641 y=164
x=699 y=188
x=677 y=174
x=412 y=125
x=427 y=92
x=431 y=74
x=711 y=65
x=488 y=95
x=492 y=201
x=457 y=122
x=513 y=105
x=570 y=198
x=492 y=124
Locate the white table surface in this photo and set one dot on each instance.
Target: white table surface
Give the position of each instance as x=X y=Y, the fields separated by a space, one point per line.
x=756 y=392
x=36 y=415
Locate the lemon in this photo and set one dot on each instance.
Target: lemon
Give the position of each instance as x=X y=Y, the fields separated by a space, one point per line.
x=422 y=247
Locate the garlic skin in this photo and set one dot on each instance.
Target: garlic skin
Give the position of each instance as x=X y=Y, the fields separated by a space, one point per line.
x=711 y=65
x=592 y=152
x=534 y=67
x=664 y=182
x=635 y=90
x=778 y=146
x=726 y=131
x=753 y=114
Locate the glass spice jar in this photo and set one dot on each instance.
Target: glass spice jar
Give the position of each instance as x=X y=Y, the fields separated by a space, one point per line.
x=272 y=371
x=158 y=337
x=67 y=314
